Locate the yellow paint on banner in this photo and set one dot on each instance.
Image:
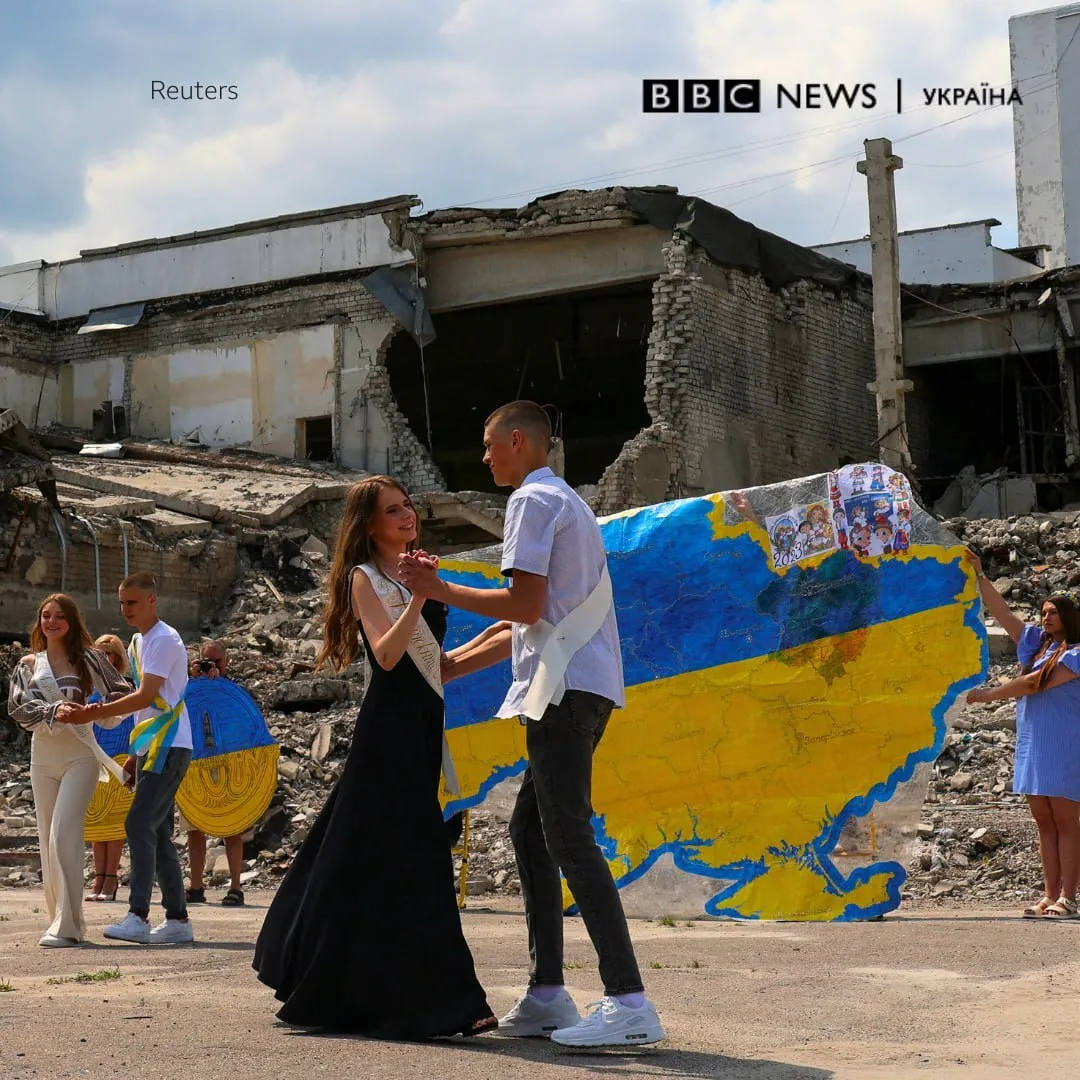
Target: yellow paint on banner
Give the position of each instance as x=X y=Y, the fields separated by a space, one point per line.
x=108 y=809
x=226 y=795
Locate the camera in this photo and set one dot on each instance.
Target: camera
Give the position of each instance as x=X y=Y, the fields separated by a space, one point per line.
x=206 y=666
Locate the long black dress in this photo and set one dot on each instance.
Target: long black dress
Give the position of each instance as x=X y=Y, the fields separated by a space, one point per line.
x=364 y=934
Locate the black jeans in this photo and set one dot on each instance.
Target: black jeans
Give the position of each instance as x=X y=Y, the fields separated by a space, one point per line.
x=551 y=830
x=149 y=829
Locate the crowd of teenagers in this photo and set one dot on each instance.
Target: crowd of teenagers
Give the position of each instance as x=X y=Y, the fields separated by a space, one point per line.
x=333 y=945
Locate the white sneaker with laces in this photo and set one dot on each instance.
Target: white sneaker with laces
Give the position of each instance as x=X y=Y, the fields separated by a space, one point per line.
x=172 y=932
x=532 y=1018
x=53 y=941
x=133 y=928
x=613 y=1024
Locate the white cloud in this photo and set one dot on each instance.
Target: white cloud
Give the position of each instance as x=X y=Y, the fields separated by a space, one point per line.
x=543 y=96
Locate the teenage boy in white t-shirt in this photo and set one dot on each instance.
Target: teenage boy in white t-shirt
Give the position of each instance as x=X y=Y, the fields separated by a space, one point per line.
x=162 y=668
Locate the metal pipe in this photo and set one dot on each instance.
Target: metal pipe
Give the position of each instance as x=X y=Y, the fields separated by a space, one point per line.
x=63 y=550
x=123 y=533
x=97 y=558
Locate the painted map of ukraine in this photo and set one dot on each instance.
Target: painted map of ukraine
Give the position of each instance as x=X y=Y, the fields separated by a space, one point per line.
x=766 y=708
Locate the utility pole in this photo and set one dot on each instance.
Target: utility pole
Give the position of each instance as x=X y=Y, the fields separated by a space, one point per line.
x=890 y=385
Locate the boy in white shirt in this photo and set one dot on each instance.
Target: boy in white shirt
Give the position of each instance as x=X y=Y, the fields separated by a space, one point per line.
x=161 y=753
x=554 y=556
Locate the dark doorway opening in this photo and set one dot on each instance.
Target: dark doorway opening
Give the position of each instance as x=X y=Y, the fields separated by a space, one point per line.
x=582 y=352
x=315 y=438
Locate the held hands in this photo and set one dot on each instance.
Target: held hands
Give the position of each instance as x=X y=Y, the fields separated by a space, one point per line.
x=77 y=714
x=418 y=572
x=130 y=767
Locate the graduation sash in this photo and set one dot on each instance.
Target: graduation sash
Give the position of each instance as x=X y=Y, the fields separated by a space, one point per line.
x=423 y=649
x=47 y=684
x=556 y=645
x=153 y=737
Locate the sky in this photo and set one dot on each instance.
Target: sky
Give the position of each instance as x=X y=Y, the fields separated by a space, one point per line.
x=482 y=103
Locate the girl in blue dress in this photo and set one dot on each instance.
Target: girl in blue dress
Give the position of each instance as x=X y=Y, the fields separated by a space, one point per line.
x=1047 y=766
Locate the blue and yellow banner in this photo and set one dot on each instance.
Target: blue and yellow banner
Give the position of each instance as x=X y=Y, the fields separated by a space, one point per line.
x=779 y=693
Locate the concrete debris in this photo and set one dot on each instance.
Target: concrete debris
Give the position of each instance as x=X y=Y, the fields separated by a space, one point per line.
x=974 y=842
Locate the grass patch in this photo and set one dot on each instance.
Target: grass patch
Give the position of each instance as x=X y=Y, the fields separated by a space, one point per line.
x=5 y=918
x=85 y=977
x=570 y=965
x=35 y=911
x=665 y=920
x=6 y=987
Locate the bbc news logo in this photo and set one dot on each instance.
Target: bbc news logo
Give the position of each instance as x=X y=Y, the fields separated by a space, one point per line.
x=745 y=95
x=702 y=95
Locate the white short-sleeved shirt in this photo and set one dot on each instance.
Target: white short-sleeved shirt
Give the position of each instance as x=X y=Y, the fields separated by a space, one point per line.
x=550 y=531
x=162 y=653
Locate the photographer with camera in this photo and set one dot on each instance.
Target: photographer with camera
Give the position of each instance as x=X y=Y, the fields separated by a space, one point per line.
x=212 y=664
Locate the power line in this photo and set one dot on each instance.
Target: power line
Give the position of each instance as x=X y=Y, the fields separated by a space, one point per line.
x=717 y=153
x=833 y=160
x=836 y=220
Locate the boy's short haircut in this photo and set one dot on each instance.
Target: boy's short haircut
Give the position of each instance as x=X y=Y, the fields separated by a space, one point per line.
x=145 y=582
x=526 y=416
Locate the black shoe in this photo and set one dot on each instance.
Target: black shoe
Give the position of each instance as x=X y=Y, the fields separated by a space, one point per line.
x=195 y=896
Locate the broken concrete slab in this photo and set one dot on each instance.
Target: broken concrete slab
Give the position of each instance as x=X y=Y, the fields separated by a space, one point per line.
x=210 y=492
x=165 y=523
x=309 y=694
x=470 y=507
x=89 y=503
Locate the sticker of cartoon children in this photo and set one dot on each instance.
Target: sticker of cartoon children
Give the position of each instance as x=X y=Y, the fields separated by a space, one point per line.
x=877 y=517
x=801 y=533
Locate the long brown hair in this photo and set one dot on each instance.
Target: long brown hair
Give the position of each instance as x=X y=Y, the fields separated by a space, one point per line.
x=1070 y=623
x=341 y=639
x=76 y=643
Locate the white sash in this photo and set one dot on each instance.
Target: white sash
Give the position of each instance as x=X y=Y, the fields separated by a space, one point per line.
x=557 y=644
x=46 y=682
x=423 y=649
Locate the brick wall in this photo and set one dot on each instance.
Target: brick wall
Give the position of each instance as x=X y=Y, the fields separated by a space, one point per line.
x=194 y=576
x=244 y=315
x=745 y=385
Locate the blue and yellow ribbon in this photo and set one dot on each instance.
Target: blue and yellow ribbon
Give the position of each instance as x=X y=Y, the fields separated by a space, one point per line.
x=153 y=737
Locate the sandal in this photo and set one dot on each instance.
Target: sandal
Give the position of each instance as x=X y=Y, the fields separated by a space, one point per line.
x=233 y=898
x=195 y=896
x=102 y=894
x=95 y=889
x=1064 y=908
x=479 y=1027
x=1037 y=910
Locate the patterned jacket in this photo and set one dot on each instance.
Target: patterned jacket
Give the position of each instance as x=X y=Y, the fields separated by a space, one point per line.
x=31 y=709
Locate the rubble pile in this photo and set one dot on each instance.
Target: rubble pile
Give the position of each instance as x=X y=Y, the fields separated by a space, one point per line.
x=976 y=842
x=1027 y=557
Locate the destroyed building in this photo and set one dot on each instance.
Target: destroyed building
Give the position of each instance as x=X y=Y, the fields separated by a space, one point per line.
x=995 y=370
x=682 y=349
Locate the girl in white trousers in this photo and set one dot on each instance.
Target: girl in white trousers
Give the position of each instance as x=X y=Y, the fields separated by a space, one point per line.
x=65 y=760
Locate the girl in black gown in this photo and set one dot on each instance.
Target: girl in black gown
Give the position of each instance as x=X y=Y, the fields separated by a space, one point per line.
x=364 y=934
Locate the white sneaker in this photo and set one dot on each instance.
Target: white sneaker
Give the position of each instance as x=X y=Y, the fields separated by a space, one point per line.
x=172 y=932
x=133 y=928
x=51 y=941
x=532 y=1018
x=613 y=1024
